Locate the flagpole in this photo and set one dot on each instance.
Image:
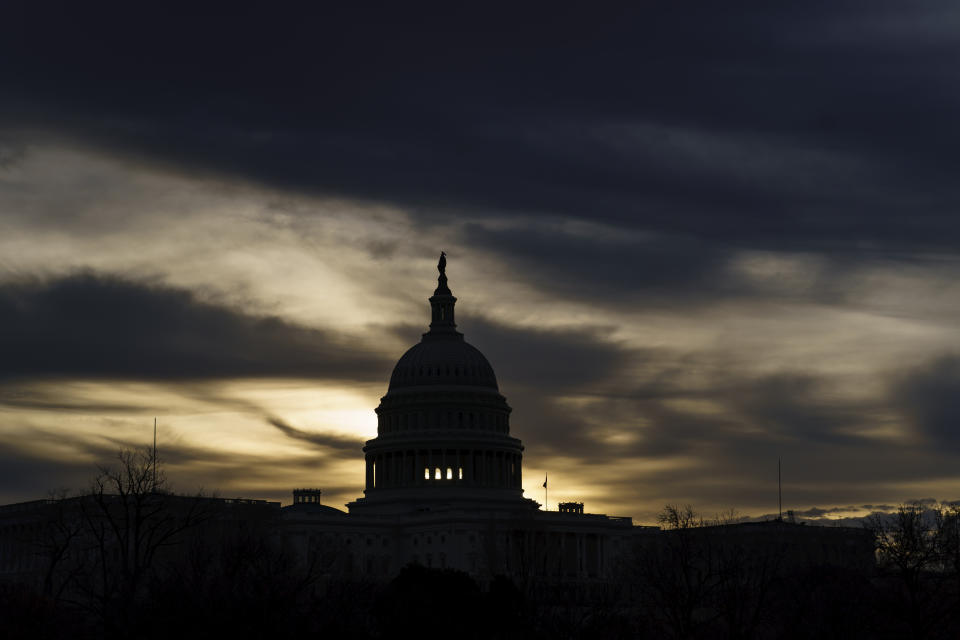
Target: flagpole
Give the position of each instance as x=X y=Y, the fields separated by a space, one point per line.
x=779 y=491
x=154 y=455
x=546 y=503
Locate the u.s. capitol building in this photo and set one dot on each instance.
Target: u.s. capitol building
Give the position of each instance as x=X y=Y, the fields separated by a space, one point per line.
x=444 y=479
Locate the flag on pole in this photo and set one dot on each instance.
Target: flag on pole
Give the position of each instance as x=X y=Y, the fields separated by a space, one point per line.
x=544 y=481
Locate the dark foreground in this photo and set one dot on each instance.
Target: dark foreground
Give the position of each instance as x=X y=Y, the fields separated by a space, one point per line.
x=255 y=600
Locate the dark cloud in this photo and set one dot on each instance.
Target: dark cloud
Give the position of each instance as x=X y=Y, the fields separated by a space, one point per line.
x=879 y=507
x=11 y=153
x=340 y=445
x=818 y=512
x=615 y=269
x=797 y=406
x=620 y=269
x=101 y=326
x=929 y=397
x=27 y=396
x=25 y=476
x=750 y=417
x=753 y=124
x=552 y=361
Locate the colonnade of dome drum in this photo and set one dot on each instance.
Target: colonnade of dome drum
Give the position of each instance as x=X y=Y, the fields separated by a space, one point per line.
x=444 y=466
x=467 y=441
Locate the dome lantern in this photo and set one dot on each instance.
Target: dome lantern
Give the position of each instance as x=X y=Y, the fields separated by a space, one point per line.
x=442 y=303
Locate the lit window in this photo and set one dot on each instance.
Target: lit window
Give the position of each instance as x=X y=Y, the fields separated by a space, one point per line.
x=449 y=473
x=426 y=473
x=437 y=474
x=460 y=473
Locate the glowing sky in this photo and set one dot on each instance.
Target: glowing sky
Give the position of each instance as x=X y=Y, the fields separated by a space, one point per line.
x=689 y=242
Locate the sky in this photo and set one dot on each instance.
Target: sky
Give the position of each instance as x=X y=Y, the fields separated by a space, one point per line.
x=691 y=238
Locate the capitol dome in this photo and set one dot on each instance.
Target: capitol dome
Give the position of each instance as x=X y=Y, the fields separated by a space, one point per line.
x=442 y=360
x=442 y=357
x=443 y=428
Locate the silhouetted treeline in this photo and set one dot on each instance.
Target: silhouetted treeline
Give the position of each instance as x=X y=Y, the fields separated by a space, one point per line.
x=129 y=560
x=242 y=584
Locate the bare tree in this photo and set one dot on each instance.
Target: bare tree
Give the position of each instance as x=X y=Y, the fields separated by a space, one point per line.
x=914 y=554
x=701 y=576
x=948 y=542
x=677 y=518
x=745 y=576
x=107 y=543
x=675 y=573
